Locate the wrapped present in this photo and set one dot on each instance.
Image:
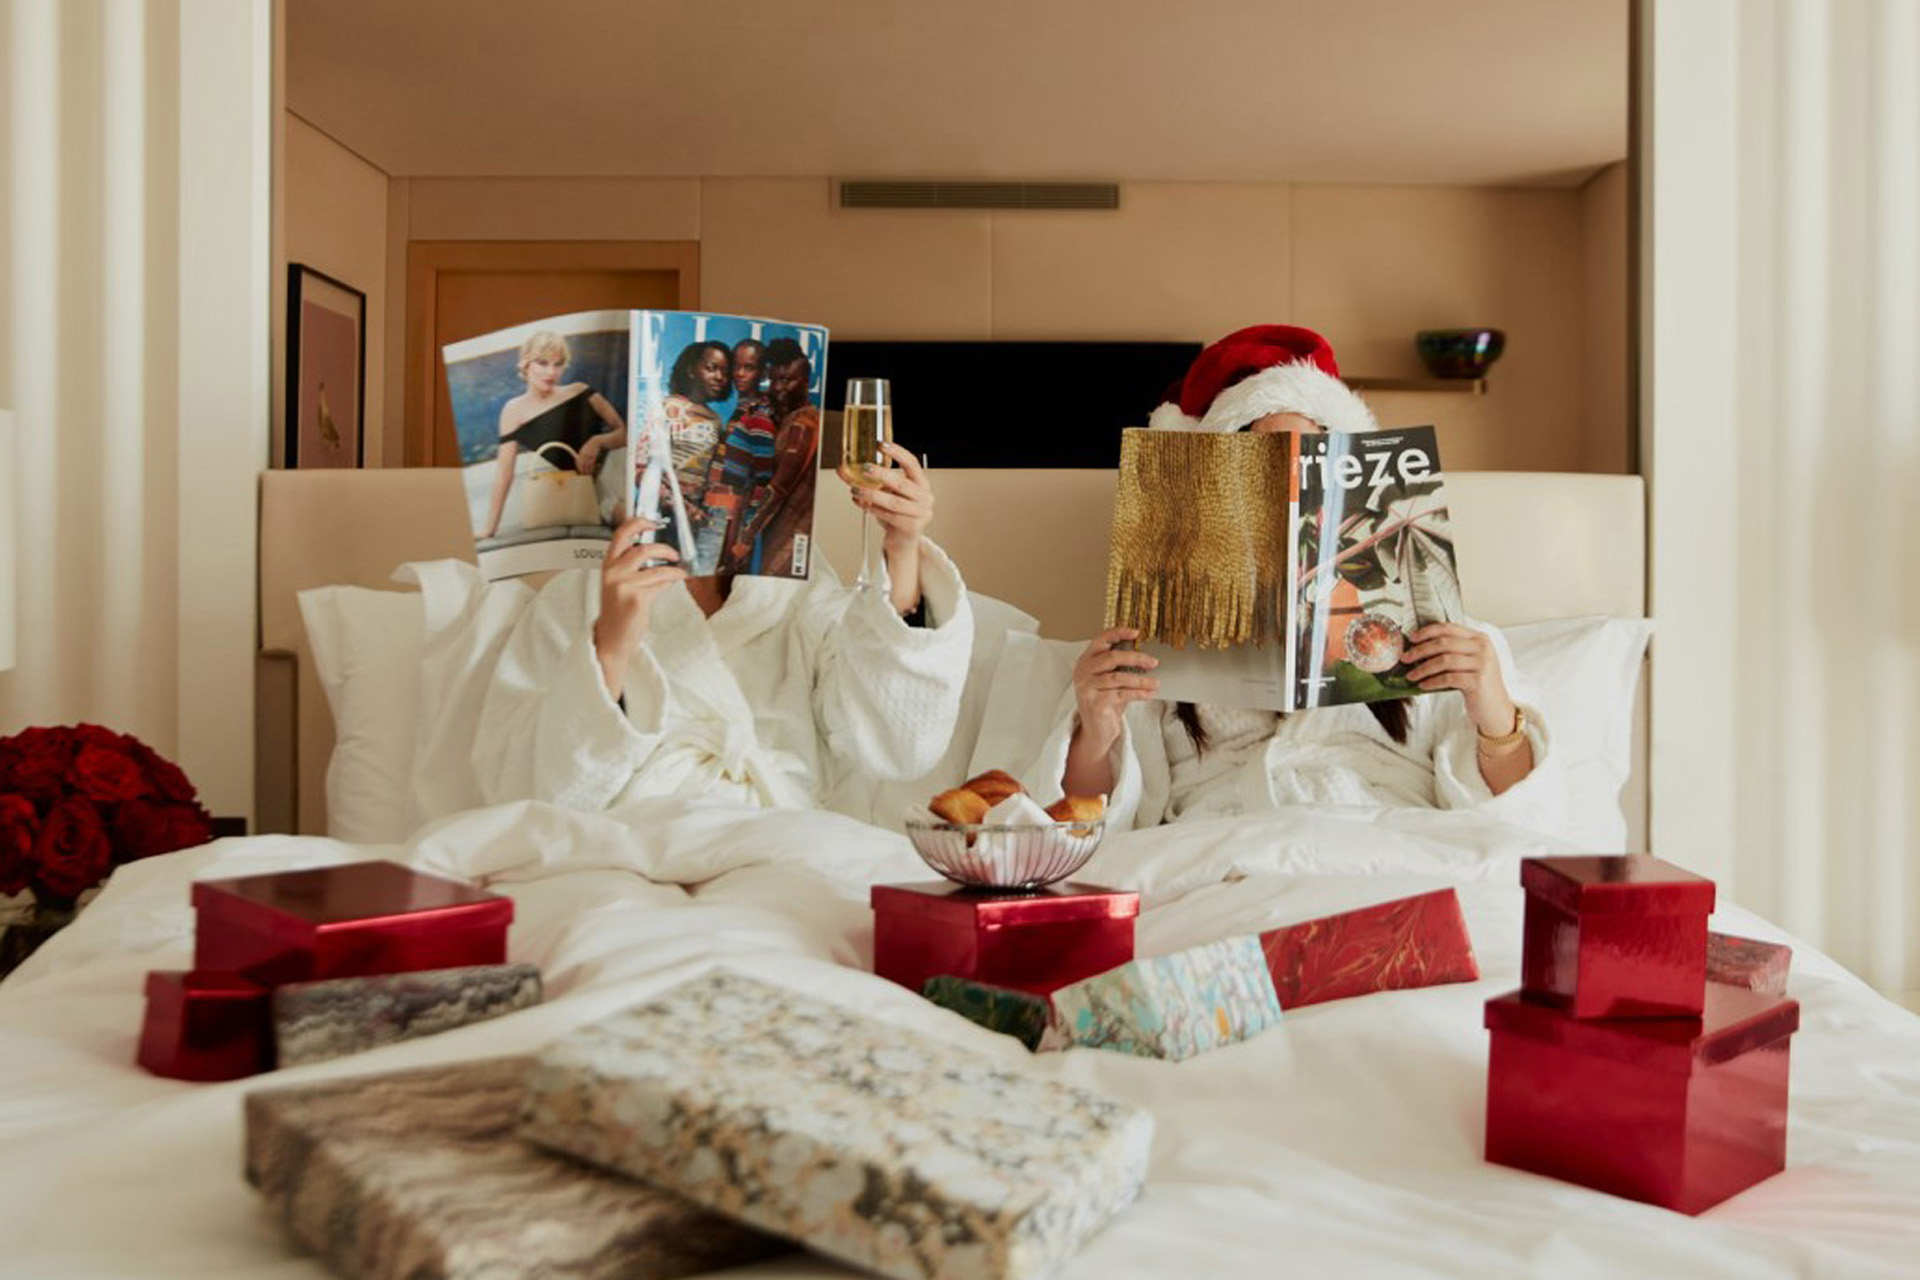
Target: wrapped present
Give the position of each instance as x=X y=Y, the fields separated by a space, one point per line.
x=863 y=1141
x=204 y=1025
x=1032 y=941
x=314 y=1021
x=1679 y=1112
x=345 y=921
x=1020 y=1014
x=418 y=1175
x=1173 y=1006
x=1411 y=942
x=1748 y=962
x=1615 y=937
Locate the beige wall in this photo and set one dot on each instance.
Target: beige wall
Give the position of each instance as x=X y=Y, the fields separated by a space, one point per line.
x=334 y=215
x=1369 y=265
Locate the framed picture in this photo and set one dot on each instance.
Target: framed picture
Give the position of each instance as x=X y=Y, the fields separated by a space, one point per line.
x=326 y=370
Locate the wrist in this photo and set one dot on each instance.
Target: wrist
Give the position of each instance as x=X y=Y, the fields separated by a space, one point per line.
x=1508 y=737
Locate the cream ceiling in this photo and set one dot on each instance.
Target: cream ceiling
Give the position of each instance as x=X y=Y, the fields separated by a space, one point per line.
x=1435 y=91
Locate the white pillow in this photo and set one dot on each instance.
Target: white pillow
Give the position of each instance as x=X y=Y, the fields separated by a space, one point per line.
x=366 y=648
x=1585 y=672
x=1024 y=702
x=996 y=625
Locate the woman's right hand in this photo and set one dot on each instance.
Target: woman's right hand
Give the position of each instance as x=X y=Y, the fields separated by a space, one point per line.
x=630 y=580
x=1105 y=680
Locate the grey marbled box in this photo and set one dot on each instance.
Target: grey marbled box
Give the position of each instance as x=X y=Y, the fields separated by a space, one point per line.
x=418 y=1175
x=315 y=1021
x=867 y=1142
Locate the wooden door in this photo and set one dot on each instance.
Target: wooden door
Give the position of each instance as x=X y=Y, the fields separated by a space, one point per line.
x=461 y=289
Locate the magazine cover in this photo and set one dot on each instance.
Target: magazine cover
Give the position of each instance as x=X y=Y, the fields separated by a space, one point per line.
x=1292 y=567
x=726 y=438
x=568 y=423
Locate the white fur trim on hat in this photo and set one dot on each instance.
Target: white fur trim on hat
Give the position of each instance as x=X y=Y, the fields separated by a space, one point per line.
x=1169 y=418
x=1285 y=388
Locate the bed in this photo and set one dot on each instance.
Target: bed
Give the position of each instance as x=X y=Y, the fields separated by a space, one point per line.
x=1345 y=1141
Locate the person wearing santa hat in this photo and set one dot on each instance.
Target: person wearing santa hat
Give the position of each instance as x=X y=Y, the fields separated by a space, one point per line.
x=1159 y=761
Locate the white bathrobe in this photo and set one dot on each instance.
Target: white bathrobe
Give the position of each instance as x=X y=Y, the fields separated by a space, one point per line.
x=766 y=703
x=1340 y=757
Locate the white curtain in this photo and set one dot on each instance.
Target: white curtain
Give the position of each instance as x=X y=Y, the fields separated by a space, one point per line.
x=133 y=354
x=1784 y=455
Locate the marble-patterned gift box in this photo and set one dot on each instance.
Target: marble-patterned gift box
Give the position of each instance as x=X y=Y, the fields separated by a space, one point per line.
x=418 y=1175
x=1748 y=962
x=315 y=1021
x=867 y=1142
x=1410 y=942
x=1021 y=1014
x=1173 y=1006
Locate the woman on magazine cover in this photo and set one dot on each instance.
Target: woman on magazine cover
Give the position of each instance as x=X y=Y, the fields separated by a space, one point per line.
x=739 y=481
x=1159 y=761
x=640 y=680
x=701 y=375
x=550 y=413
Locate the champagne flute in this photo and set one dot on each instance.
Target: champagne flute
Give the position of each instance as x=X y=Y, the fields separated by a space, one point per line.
x=866 y=423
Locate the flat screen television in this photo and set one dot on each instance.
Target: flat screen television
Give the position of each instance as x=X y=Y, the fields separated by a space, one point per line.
x=1011 y=404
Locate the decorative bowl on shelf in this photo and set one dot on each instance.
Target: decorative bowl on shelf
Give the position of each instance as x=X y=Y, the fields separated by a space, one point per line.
x=1005 y=855
x=1459 y=353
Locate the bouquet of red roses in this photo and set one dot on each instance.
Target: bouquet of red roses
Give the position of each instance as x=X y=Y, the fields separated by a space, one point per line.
x=77 y=801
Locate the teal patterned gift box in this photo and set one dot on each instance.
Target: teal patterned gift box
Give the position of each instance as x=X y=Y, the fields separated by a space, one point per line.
x=1019 y=1014
x=1173 y=1006
x=867 y=1142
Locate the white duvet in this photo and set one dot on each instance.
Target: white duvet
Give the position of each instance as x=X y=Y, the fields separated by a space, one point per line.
x=1344 y=1143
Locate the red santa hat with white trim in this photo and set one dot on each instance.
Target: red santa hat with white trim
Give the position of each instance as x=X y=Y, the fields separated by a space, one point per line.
x=1267 y=368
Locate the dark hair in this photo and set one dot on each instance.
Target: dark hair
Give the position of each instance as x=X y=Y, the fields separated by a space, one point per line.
x=755 y=343
x=681 y=381
x=783 y=351
x=1390 y=712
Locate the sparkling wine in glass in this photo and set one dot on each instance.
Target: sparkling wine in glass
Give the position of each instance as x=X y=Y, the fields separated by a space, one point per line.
x=865 y=424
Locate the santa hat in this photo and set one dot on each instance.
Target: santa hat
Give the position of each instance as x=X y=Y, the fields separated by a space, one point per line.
x=1268 y=368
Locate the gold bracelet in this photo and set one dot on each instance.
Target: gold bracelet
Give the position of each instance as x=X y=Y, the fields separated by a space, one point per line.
x=1492 y=745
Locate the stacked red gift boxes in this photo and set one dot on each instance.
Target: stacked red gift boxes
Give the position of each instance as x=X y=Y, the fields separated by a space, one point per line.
x=1618 y=1064
x=255 y=933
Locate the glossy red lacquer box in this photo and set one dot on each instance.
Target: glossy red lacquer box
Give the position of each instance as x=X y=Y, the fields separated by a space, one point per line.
x=1679 y=1112
x=346 y=921
x=1410 y=942
x=1035 y=941
x=1615 y=937
x=205 y=1025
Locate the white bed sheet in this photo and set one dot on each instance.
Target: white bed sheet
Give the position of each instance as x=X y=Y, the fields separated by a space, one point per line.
x=1345 y=1142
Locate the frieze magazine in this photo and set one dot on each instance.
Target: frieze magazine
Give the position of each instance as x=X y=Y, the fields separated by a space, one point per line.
x=708 y=424
x=1284 y=571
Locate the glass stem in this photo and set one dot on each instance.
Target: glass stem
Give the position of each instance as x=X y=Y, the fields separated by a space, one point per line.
x=866 y=529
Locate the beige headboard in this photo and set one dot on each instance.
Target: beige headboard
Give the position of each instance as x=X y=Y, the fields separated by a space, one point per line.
x=1532 y=545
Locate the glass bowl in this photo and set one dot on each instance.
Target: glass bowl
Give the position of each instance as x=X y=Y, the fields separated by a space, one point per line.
x=1004 y=855
x=1459 y=353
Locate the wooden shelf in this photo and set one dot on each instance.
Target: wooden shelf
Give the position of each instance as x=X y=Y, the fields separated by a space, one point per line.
x=1466 y=386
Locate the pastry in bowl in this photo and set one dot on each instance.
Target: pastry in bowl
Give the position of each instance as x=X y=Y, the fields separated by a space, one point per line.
x=993 y=786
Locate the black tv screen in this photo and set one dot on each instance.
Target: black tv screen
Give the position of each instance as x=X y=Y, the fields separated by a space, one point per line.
x=1011 y=404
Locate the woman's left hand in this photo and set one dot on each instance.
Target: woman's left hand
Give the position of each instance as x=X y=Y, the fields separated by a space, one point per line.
x=902 y=501
x=1446 y=655
x=588 y=458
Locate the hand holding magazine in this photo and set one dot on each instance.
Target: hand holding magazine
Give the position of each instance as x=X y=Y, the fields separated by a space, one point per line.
x=707 y=424
x=1282 y=571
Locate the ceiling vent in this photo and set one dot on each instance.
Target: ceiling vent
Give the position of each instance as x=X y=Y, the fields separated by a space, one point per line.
x=979 y=195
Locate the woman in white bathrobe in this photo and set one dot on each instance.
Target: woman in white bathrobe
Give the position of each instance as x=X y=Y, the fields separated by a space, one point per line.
x=1477 y=747
x=638 y=681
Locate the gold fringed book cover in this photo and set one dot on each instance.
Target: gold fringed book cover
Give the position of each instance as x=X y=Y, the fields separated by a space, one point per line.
x=1281 y=571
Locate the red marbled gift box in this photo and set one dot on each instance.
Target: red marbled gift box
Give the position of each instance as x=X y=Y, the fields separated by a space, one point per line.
x=1748 y=962
x=1411 y=942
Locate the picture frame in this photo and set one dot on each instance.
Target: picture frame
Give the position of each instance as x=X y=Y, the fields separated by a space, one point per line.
x=326 y=371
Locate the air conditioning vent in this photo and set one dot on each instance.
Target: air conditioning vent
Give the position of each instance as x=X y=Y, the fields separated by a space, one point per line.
x=979 y=195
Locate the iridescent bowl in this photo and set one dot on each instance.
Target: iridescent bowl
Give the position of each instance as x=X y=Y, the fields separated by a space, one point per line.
x=1005 y=855
x=1459 y=353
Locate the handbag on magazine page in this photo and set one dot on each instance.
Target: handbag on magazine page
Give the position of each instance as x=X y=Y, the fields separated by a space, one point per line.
x=559 y=497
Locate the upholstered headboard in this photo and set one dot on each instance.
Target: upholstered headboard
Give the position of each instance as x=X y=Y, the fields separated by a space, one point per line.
x=1531 y=545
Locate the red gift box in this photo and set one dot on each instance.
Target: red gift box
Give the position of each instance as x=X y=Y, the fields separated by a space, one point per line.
x=346 y=921
x=1410 y=942
x=1035 y=941
x=1748 y=962
x=204 y=1025
x=1679 y=1112
x=1615 y=937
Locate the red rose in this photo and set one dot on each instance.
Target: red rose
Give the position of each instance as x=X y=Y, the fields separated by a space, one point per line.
x=38 y=763
x=73 y=849
x=95 y=735
x=164 y=774
x=108 y=775
x=19 y=824
x=143 y=828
